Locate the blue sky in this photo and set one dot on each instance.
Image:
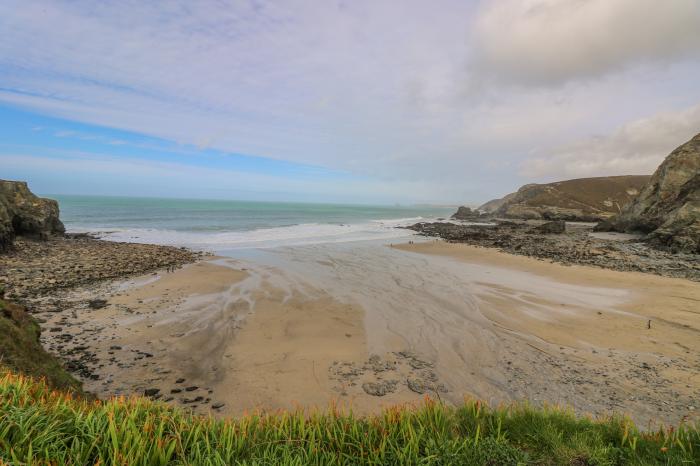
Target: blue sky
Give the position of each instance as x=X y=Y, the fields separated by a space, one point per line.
x=60 y=156
x=381 y=102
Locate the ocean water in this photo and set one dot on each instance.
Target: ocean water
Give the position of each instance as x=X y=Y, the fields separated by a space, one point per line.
x=220 y=224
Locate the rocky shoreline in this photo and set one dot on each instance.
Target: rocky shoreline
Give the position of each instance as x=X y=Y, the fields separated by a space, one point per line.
x=577 y=244
x=37 y=269
x=68 y=277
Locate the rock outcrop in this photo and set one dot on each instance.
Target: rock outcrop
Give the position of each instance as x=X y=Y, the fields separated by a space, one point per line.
x=493 y=205
x=668 y=208
x=465 y=213
x=23 y=213
x=583 y=199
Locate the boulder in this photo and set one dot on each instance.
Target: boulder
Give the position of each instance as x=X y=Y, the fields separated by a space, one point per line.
x=465 y=213
x=555 y=227
x=23 y=213
x=667 y=209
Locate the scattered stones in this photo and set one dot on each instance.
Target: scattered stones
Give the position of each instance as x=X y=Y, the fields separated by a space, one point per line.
x=376 y=364
x=369 y=376
x=380 y=388
x=41 y=268
x=193 y=400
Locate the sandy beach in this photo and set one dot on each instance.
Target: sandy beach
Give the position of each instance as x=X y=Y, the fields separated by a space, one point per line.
x=368 y=325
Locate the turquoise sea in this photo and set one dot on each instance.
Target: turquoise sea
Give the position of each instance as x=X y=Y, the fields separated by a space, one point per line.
x=212 y=224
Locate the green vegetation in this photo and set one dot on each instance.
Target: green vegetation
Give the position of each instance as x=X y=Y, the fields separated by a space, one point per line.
x=21 y=350
x=39 y=425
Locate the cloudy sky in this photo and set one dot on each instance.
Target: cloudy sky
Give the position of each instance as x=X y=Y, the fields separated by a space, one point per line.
x=342 y=101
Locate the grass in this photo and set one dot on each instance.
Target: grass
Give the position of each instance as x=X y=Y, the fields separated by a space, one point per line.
x=21 y=350
x=40 y=425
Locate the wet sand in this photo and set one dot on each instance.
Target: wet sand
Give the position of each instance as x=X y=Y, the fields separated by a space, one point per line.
x=368 y=325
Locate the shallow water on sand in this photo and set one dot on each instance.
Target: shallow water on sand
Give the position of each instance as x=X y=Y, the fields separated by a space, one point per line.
x=308 y=324
x=433 y=306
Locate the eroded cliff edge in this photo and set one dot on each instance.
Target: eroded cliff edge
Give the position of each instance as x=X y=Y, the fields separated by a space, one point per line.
x=667 y=209
x=24 y=214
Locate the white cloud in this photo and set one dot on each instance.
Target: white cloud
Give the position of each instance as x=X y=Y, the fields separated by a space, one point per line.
x=636 y=148
x=554 y=41
x=373 y=88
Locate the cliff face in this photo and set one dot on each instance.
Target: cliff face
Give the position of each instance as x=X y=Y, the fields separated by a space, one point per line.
x=23 y=213
x=668 y=207
x=584 y=199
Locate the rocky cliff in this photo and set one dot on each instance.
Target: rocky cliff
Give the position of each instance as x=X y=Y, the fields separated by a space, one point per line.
x=584 y=199
x=23 y=213
x=668 y=207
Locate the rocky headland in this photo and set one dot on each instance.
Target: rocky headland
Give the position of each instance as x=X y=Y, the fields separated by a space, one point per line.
x=582 y=200
x=667 y=209
x=658 y=216
x=24 y=214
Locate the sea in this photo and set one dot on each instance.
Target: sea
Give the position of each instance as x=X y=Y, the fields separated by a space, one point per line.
x=227 y=224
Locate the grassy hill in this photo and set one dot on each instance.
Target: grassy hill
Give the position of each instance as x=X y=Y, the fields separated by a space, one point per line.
x=586 y=198
x=21 y=350
x=41 y=426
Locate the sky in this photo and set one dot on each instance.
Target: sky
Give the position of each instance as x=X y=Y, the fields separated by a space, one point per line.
x=362 y=101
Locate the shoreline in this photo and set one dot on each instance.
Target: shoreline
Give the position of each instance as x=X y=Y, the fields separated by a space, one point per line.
x=249 y=335
x=657 y=363
x=570 y=243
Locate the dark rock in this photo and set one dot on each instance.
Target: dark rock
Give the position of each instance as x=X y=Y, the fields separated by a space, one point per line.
x=191 y=389
x=464 y=213
x=176 y=390
x=24 y=214
x=577 y=246
x=218 y=405
x=604 y=225
x=151 y=392
x=555 y=227
x=180 y=380
x=97 y=303
x=668 y=208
